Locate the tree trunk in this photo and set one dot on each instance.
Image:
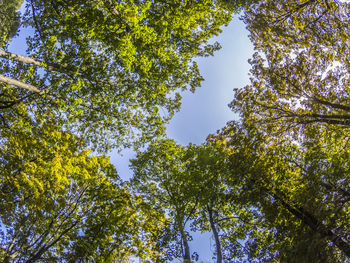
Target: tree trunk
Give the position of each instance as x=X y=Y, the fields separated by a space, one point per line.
x=318 y=226
x=216 y=235
x=332 y=105
x=186 y=252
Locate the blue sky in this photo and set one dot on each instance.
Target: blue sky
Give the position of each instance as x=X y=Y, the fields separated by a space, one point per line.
x=206 y=110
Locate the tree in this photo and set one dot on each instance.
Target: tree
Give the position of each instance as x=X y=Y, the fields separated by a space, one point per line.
x=159 y=177
x=188 y=184
x=299 y=86
x=300 y=192
x=59 y=203
x=299 y=75
x=108 y=68
x=215 y=212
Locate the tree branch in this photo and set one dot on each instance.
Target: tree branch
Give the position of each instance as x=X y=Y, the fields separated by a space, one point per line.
x=20 y=84
x=32 y=61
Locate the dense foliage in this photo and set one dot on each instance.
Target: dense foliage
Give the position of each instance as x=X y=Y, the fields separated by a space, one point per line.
x=184 y=182
x=286 y=179
x=271 y=187
x=59 y=203
x=100 y=75
x=110 y=70
x=300 y=192
x=300 y=72
x=9 y=19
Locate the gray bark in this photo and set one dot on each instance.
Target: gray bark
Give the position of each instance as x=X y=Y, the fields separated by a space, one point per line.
x=187 y=256
x=216 y=235
x=35 y=62
x=20 y=84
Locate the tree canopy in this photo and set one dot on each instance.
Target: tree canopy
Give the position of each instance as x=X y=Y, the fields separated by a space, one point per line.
x=300 y=72
x=285 y=162
x=98 y=75
x=9 y=19
x=110 y=70
x=299 y=191
x=187 y=184
x=59 y=203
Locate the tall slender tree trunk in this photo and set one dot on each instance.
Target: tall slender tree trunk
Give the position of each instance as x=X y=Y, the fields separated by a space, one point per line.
x=216 y=235
x=186 y=247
